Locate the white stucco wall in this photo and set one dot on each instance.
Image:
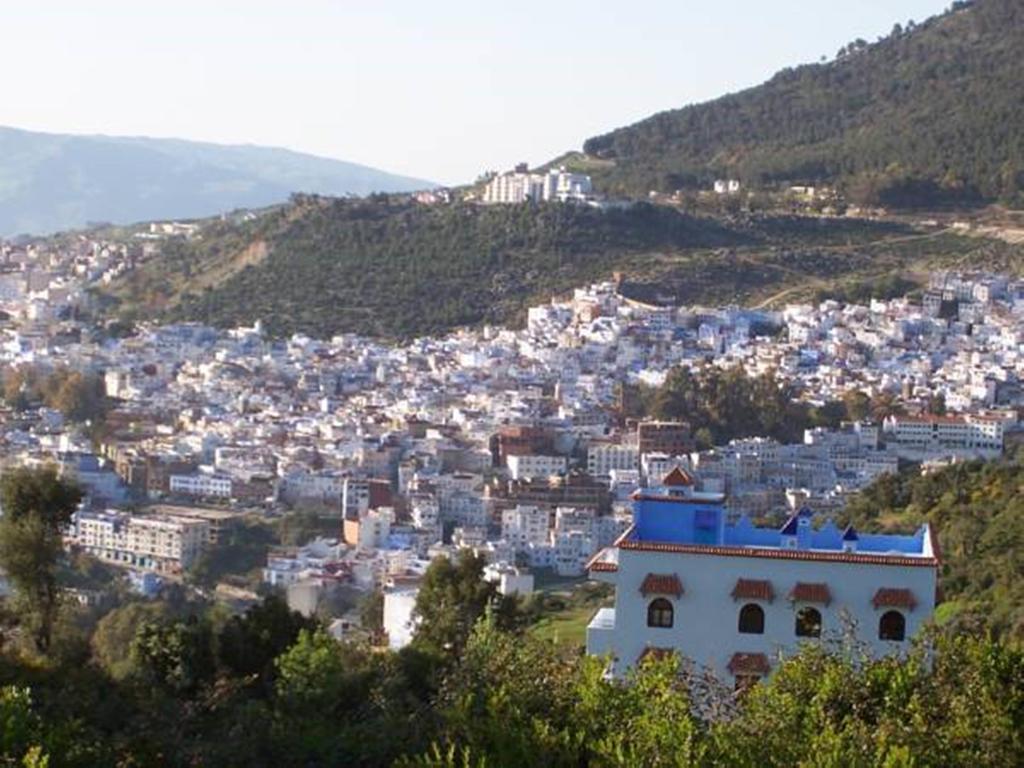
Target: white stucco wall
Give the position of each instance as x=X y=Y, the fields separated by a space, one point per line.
x=398 y=619
x=705 y=627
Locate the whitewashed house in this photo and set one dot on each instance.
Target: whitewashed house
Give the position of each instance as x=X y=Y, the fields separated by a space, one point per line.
x=735 y=598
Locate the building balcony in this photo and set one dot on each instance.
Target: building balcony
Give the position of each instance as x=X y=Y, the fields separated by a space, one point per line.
x=601 y=632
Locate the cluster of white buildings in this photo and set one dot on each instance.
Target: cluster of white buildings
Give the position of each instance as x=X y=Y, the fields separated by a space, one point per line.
x=506 y=441
x=555 y=185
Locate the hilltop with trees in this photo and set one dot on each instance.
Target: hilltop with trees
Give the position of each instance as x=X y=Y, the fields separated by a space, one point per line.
x=393 y=268
x=927 y=115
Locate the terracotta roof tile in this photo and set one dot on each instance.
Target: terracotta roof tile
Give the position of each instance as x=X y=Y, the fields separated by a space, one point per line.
x=891 y=597
x=677 y=477
x=749 y=663
x=753 y=589
x=661 y=584
x=806 y=592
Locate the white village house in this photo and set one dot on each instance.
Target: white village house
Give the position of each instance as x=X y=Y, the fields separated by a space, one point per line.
x=734 y=598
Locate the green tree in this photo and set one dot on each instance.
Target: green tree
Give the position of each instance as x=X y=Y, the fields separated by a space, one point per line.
x=371 y=611
x=452 y=598
x=177 y=656
x=313 y=672
x=857 y=404
x=937 y=405
x=37 y=505
x=20 y=729
x=249 y=644
x=883 y=405
x=647 y=721
x=114 y=634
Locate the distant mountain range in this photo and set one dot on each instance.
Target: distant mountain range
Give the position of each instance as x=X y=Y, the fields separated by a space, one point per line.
x=52 y=182
x=931 y=114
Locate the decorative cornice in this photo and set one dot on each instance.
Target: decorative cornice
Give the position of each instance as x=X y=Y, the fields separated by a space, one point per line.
x=778 y=554
x=641 y=496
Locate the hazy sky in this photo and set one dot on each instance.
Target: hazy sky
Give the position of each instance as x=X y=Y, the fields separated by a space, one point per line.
x=441 y=90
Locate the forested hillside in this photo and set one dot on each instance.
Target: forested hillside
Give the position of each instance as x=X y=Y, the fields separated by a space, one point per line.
x=395 y=268
x=389 y=267
x=930 y=114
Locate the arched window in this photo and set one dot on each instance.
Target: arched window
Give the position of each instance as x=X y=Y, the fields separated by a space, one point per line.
x=752 y=619
x=808 y=622
x=659 y=613
x=892 y=626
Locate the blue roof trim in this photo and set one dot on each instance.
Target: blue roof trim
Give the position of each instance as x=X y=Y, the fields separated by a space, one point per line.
x=703 y=522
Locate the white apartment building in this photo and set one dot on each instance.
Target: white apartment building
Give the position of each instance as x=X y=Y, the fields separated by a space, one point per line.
x=607 y=528
x=201 y=485
x=931 y=435
x=399 y=620
x=315 y=486
x=160 y=542
x=355 y=496
x=370 y=530
x=510 y=580
x=525 y=525
x=602 y=459
x=527 y=466
x=571 y=551
x=463 y=508
x=519 y=186
x=425 y=511
x=569 y=519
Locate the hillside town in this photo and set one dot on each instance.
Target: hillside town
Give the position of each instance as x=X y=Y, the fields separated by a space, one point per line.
x=511 y=442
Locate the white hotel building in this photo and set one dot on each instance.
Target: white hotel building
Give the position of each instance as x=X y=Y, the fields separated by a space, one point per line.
x=535 y=465
x=734 y=598
x=201 y=485
x=520 y=186
x=925 y=436
x=161 y=543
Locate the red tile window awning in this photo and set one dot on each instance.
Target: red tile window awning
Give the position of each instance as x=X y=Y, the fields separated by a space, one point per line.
x=655 y=653
x=661 y=584
x=890 y=597
x=753 y=589
x=749 y=664
x=808 y=592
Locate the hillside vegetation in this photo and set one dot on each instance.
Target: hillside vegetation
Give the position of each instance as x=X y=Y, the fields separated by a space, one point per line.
x=929 y=114
x=977 y=510
x=388 y=267
x=395 y=268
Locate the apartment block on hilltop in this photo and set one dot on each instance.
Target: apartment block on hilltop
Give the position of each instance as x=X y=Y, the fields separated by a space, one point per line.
x=519 y=186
